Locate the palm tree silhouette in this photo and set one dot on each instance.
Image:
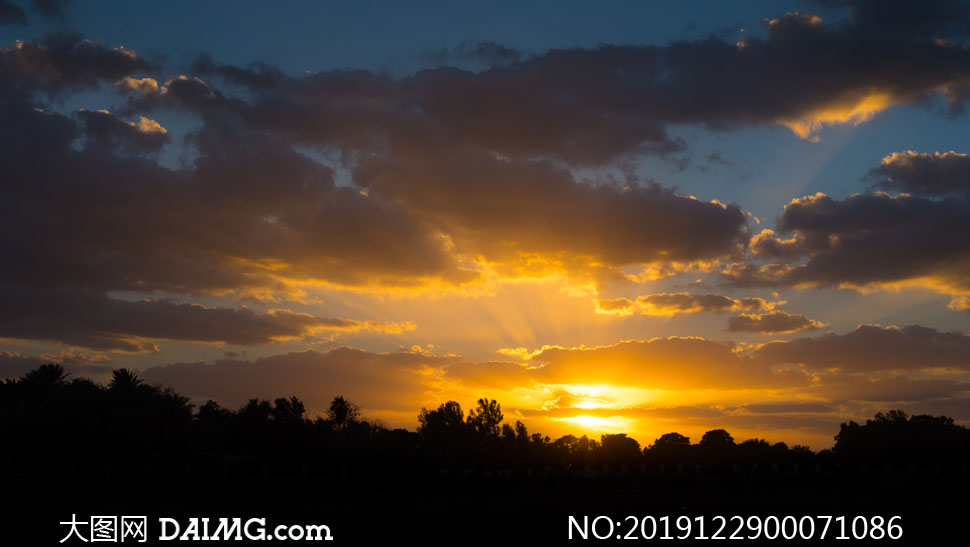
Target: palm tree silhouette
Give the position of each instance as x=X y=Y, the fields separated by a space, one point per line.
x=124 y=379
x=48 y=375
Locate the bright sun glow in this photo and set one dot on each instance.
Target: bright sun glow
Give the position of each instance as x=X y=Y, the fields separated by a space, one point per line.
x=592 y=421
x=597 y=423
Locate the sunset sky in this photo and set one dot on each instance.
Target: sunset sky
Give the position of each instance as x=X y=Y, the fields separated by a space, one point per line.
x=609 y=216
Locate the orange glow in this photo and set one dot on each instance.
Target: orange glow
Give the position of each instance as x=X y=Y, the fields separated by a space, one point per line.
x=597 y=424
x=854 y=111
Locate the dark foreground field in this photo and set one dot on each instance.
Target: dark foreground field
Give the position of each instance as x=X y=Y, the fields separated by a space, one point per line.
x=455 y=511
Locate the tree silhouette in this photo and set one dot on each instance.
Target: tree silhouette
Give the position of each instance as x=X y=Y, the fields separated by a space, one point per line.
x=290 y=411
x=896 y=437
x=46 y=376
x=668 y=440
x=448 y=416
x=508 y=433
x=567 y=445
x=619 y=448
x=342 y=413
x=670 y=447
x=717 y=439
x=443 y=431
x=486 y=419
x=124 y=379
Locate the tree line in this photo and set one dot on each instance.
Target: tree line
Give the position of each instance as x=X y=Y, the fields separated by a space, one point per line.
x=48 y=419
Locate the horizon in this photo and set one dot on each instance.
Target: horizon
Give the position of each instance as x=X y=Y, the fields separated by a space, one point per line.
x=49 y=386
x=630 y=219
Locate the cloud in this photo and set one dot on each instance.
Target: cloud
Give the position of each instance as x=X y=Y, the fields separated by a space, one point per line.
x=922 y=173
x=588 y=106
x=93 y=320
x=16 y=365
x=809 y=75
x=788 y=407
x=894 y=17
x=61 y=61
x=665 y=304
x=258 y=76
x=485 y=53
x=273 y=216
x=879 y=363
x=673 y=363
x=887 y=388
x=106 y=131
x=776 y=321
x=874 y=348
x=250 y=214
x=865 y=239
x=504 y=208
x=142 y=86
x=918 y=238
x=378 y=382
x=960 y=304
x=11 y=14
x=51 y=9
x=614 y=306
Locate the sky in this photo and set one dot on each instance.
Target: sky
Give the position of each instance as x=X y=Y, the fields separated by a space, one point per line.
x=610 y=217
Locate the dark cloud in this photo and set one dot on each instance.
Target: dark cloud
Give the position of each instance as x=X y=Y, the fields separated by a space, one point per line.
x=486 y=53
x=760 y=423
x=887 y=388
x=60 y=61
x=788 y=408
x=865 y=239
x=956 y=407
x=451 y=144
x=921 y=237
x=714 y=159
x=248 y=217
x=900 y=17
x=925 y=174
x=249 y=212
x=504 y=207
x=258 y=76
x=375 y=381
x=11 y=14
x=267 y=205
x=51 y=9
x=772 y=322
x=93 y=320
x=874 y=348
x=16 y=365
x=587 y=106
x=106 y=131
